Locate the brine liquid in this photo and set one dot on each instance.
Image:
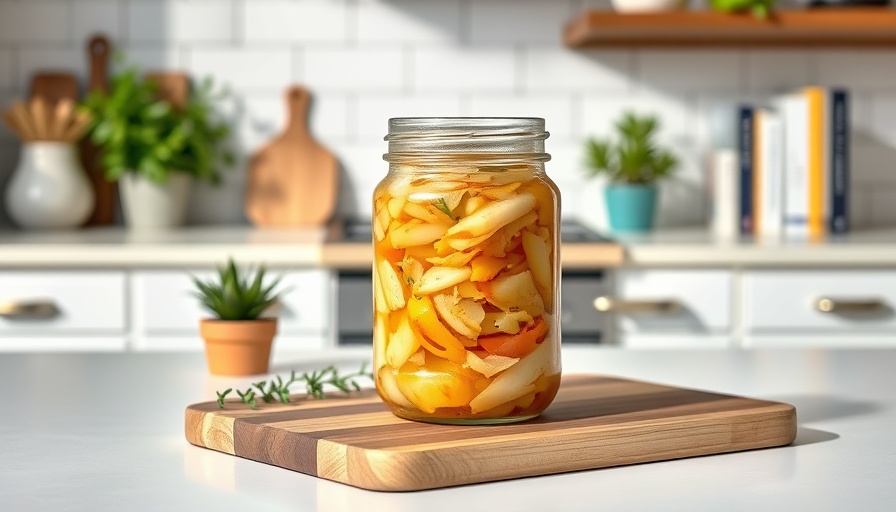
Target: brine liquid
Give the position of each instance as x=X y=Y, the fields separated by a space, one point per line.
x=465 y=295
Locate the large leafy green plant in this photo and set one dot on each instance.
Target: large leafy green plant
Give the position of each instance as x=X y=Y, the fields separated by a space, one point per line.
x=635 y=157
x=235 y=296
x=139 y=132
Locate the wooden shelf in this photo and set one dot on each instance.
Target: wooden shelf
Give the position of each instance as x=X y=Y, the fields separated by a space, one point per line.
x=846 y=27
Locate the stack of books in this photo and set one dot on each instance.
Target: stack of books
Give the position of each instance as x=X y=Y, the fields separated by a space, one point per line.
x=789 y=175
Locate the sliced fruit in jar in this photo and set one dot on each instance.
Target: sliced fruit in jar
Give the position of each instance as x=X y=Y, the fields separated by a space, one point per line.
x=402 y=343
x=455 y=259
x=516 y=345
x=436 y=339
x=415 y=232
x=389 y=388
x=462 y=315
x=490 y=364
x=380 y=339
x=485 y=268
x=505 y=322
x=430 y=389
x=395 y=205
x=493 y=217
x=538 y=254
x=379 y=299
x=516 y=381
x=439 y=278
x=468 y=290
x=514 y=293
x=393 y=291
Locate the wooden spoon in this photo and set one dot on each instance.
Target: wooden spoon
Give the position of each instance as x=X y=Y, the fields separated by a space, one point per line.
x=23 y=119
x=39 y=118
x=62 y=117
x=13 y=125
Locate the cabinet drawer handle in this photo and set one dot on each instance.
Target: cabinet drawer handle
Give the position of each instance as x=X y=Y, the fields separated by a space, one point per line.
x=28 y=309
x=611 y=305
x=831 y=305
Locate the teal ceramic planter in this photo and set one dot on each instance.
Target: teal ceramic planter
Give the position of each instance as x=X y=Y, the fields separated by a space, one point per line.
x=631 y=207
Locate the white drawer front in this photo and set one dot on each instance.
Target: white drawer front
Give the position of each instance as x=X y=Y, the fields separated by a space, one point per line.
x=165 y=301
x=705 y=297
x=786 y=301
x=87 y=302
x=673 y=341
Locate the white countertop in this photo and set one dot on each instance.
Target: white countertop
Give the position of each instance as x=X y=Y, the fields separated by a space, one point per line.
x=105 y=432
x=211 y=245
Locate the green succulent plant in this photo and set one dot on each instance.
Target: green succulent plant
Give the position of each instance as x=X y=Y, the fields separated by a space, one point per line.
x=233 y=295
x=140 y=133
x=635 y=157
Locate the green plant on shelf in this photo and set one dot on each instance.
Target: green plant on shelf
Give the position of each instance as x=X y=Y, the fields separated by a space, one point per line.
x=140 y=133
x=758 y=8
x=635 y=157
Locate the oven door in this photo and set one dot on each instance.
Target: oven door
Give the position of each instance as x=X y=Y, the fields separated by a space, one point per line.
x=580 y=323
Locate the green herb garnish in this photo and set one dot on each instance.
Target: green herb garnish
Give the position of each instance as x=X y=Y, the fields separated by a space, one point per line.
x=443 y=207
x=315 y=384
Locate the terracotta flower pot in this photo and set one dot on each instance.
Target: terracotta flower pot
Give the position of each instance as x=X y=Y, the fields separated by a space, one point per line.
x=234 y=347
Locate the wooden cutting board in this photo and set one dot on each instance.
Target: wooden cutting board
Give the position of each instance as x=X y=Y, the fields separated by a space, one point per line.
x=595 y=422
x=293 y=181
x=98 y=51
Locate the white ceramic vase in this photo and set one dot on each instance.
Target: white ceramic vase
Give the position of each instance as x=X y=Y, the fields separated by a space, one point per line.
x=147 y=205
x=645 y=6
x=49 y=188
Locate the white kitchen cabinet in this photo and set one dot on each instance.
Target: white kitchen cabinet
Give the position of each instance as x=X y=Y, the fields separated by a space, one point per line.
x=803 y=340
x=857 y=301
x=670 y=300
x=676 y=341
x=62 y=311
x=166 y=311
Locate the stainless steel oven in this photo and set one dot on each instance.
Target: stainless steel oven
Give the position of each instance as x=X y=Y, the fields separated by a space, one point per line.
x=580 y=322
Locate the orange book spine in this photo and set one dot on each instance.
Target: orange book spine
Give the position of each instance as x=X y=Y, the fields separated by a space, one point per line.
x=816 y=221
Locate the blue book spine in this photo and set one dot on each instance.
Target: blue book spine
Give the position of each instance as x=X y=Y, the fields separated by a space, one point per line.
x=745 y=152
x=839 y=186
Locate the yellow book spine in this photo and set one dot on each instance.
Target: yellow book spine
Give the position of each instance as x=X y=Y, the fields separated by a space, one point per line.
x=815 y=220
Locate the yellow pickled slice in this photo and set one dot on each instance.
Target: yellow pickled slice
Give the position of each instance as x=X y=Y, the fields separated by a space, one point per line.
x=462 y=315
x=490 y=364
x=380 y=339
x=455 y=259
x=515 y=293
x=516 y=381
x=430 y=389
x=485 y=268
x=492 y=217
x=439 y=278
x=421 y=252
x=392 y=289
x=402 y=344
x=389 y=388
x=418 y=358
x=414 y=233
x=538 y=254
x=379 y=298
x=395 y=205
x=437 y=339
x=426 y=213
x=411 y=269
x=505 y=322
x=468 y=290
x=502 y=192
x=505 y=239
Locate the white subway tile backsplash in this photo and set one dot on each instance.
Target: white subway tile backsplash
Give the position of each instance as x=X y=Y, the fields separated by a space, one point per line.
x=28 y=21
x=883 y=119
x=243 y=68
x=6 y=80
x=294 y=21
x=556 y=109
x=261 y=117
x=522 y=21
x=180 y=21
x=699 y=70
x=33 y=60
x=363 y=167
x=464 y=69
x=95 y=16
x=858 y=69
x=883 y=205
x=374 y=112
x=408 y=21
x=557 y=69
x=152 y=58
x=772 y=71
x=349 y=69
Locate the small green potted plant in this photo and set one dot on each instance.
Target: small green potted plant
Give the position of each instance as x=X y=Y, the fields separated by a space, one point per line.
x=633 y=164
x=238 y=339
x=155 y=150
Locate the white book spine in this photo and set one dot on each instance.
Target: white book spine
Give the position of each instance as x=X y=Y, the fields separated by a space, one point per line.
x=795 y=109
x=771 y=139
x=725 y=169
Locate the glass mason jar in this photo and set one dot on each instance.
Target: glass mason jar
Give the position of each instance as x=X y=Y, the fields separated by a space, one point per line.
x=466 y=271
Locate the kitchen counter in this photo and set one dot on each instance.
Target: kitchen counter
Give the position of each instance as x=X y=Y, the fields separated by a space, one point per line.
x=105 y=432
x=210 y=245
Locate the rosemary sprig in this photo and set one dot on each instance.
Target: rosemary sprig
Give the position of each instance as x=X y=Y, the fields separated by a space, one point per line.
x=315 y=384
x=443 y=206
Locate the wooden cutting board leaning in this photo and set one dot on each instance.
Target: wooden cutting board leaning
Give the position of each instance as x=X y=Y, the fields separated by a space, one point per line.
x=98 y=50
x=595 y=422
x=293 y=180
